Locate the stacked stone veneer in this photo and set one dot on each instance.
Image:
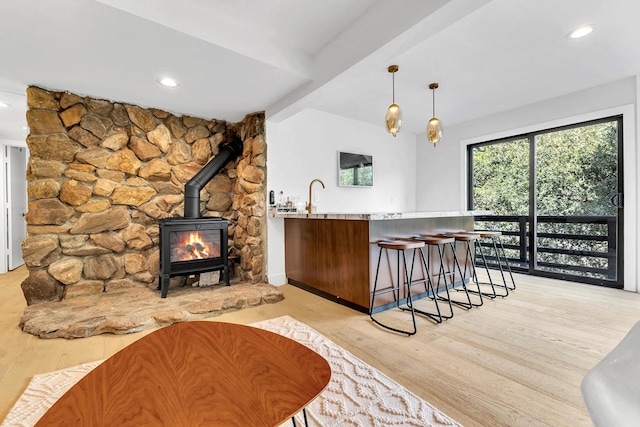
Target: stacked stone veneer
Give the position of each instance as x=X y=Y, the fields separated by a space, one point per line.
x=102 y=173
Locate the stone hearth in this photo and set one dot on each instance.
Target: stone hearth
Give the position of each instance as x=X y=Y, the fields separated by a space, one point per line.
x=127 y=311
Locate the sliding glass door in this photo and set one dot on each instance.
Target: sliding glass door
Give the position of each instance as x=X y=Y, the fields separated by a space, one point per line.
x=557 y=195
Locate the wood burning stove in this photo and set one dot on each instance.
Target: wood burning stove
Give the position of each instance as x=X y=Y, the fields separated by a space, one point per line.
x=192 y=246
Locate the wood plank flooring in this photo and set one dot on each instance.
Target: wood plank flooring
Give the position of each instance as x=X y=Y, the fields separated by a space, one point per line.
x=512 y=362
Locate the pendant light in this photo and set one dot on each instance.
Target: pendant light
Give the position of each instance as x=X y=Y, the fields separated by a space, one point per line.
x=434 y=128
x=393 y=118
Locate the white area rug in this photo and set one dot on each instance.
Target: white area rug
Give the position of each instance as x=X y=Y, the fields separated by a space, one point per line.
x=357 y=395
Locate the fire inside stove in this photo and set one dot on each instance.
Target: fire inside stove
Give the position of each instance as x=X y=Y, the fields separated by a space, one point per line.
x=194 y=245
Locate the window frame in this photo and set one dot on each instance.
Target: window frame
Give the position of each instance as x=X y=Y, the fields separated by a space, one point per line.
x=530 y=136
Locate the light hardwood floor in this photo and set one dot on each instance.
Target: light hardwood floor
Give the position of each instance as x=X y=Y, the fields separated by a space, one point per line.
x=515 y=361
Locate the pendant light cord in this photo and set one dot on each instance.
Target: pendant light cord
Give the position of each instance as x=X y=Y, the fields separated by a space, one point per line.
x=433 y=105
x=393 y=87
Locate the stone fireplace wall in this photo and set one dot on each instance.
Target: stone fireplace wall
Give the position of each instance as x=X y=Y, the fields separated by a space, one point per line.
x=102 y=173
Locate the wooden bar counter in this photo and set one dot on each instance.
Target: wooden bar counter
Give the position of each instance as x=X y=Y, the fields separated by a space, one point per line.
x=335 y=255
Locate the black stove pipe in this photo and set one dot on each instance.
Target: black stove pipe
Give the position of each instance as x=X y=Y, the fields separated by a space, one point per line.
x=192 y=188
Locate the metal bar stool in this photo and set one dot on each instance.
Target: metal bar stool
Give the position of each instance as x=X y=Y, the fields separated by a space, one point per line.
x=485 y=264
x=440 y=243
x=450 y=242
x=430 y=291
x=400 y=246
x=466 y=239
x=501 y=257
x=479 y=251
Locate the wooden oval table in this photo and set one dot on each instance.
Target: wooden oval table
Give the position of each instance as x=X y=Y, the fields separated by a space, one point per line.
x=196 y=374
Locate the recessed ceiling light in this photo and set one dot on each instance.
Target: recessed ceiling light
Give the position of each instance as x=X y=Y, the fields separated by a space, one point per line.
x=581 y=31
x=168 y=82
x=4 y=105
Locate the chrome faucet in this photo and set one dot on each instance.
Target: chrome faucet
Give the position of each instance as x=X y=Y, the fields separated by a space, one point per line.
x=309 y=206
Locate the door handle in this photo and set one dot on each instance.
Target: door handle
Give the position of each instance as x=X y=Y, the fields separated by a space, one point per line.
x=617 y=200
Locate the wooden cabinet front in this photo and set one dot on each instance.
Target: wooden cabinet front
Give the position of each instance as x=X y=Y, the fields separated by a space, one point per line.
x=330 y=257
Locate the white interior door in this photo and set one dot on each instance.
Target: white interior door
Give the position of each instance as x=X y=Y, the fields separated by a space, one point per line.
x=16 y=192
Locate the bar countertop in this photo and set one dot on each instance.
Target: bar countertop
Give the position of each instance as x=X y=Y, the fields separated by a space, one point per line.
x=378 y=216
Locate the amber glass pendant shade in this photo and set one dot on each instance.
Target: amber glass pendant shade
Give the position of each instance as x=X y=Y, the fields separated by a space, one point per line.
x=434 y=131
x=393 y=119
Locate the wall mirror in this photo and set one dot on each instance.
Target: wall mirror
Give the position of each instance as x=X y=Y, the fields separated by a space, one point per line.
x=355 y=170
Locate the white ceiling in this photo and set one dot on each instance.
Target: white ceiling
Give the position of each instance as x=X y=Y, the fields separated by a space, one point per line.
x=233 y=57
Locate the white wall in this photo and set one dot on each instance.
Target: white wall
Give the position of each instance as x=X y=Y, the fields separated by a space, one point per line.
x=448 y=161
x=306 y=146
